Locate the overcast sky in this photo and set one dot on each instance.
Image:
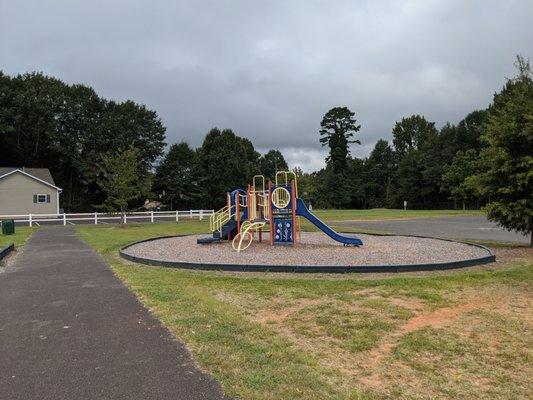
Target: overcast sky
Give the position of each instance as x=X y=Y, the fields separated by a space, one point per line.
x=271 y=69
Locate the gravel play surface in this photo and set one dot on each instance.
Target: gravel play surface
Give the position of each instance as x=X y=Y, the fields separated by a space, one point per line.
x=314 y=249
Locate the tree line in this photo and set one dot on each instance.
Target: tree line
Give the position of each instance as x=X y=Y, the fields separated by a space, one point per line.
x=486 y=159
x=415 y=167
x=70 y=129
x=106 y=154
x=90 y=144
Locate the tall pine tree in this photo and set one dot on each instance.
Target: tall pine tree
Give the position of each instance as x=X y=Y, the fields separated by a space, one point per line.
x=506 y=174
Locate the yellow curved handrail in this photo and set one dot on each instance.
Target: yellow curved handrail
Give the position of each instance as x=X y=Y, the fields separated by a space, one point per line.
x=247 y=229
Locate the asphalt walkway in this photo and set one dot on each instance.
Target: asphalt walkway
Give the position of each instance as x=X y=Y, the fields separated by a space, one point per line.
x=69 y=329
x=460 y=227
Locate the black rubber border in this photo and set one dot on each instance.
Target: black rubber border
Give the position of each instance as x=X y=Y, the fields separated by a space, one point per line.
x=6 y=250
x=335 y=269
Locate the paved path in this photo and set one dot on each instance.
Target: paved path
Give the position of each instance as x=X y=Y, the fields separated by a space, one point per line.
x=471 y=227
x=69 y=329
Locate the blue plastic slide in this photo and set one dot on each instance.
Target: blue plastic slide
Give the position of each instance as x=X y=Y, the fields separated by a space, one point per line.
x=303 y=211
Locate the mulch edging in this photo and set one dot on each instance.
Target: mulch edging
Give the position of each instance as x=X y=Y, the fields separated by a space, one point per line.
x=313 y=268
x=6 y=250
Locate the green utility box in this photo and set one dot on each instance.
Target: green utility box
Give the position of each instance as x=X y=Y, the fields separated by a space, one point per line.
x=8 y=227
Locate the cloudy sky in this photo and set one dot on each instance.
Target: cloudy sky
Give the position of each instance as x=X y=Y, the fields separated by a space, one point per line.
x=270 y=69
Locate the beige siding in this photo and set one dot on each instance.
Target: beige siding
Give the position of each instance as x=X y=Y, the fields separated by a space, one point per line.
x=16 y=196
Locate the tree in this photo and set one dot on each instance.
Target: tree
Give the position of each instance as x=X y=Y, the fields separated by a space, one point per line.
x=306 y=185
x=121 y=126
x=129 y=124
x=506 y=172
x=272 y=162
x=228 y=162
x=380 y=168
x=120 y=180
x=68 y=128
x=469 y=131
x=409 y=178
x=411 y=133
x=337 y=128
x=178 y=178
x=455 y=177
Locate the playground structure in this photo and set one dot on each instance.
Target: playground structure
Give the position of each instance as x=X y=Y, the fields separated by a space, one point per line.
x=272 y=208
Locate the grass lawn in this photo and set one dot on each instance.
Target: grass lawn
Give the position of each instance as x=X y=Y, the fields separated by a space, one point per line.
x=21 y=235
x=384 y=213
x=465 y=334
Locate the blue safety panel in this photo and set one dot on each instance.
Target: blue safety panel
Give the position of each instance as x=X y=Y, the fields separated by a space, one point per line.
x=282 y=230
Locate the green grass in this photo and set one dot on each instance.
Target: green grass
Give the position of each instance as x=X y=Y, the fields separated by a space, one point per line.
x=491 y=350
x=385 y=213
x=111 y=237
x=18 y=238
x=289 y=336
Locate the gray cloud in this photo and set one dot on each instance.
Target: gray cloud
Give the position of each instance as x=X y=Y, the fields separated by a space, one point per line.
x=271 y=69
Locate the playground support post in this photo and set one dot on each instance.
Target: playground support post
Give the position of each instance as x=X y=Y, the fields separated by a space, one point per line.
x=272 y=228
x=249 y=202
x=293 y=198
x=238 y=211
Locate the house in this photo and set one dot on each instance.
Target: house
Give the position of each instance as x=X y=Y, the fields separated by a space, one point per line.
x=28 y=191
x=152 y=205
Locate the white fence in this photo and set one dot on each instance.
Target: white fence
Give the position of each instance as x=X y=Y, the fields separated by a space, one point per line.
x=105 y=218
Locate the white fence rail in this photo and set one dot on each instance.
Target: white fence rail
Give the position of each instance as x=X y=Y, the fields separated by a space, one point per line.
x=103 y=218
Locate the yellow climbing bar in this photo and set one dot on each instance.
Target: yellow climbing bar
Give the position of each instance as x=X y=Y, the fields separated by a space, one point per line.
x=284 y=178
x=244 y=238
x=258 y=183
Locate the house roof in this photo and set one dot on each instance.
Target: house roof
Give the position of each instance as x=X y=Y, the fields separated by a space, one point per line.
x=41 y=174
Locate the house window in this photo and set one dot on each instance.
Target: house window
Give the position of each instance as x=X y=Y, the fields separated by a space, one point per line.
x=41 y=198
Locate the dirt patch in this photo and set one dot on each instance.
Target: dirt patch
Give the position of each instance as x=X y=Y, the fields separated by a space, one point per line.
x=411 y=304
x=376 y=294
x=441 y=317
x=378 y=370
x=364 y=367
x=515 y=302
x=506 y=256
x=278 y=316
x=444 y=316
